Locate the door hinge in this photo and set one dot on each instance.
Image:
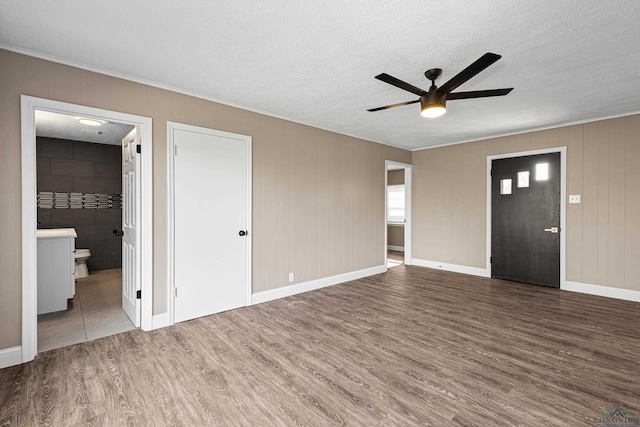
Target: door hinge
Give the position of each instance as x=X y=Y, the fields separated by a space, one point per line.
x=490 y=260
x=175 y=292
x=138 y=294
x=138 y=148
x=175 y=150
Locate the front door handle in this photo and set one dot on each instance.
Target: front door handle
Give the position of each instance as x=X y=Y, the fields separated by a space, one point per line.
x=242 y=233
x=552 y=229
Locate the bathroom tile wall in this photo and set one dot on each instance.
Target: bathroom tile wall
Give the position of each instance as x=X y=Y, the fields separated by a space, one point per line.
x=83 y=167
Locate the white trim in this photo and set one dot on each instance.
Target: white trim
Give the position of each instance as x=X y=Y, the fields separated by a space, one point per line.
x=395 y=248
x=171 y=280
x=603 y=291
x=29 y=218
x=175 y=89
x=529 y=130
x=10 y=357
x=171 y=126
x=28 y=107
x=160 y=321
x=104 y=71
x=474 y=271
x=408 y=214
x=249 y=271
x=312 y=285
x=563 y=207
x=408 y=211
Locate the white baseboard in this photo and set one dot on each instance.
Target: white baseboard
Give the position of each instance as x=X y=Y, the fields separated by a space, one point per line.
x=474 y=271
x=298 y=288
x=395 y=248
x=160 y=321
x=10 y=356
x=603 y=291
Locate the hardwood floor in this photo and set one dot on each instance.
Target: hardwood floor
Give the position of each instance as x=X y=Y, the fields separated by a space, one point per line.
x=409 y=347
x=96 y=312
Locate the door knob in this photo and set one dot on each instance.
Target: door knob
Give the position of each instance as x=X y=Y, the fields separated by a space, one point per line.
x=552 y=229
x=242 y=233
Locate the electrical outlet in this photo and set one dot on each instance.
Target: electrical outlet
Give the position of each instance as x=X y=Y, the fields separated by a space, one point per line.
x=574 y=198
x=291 y=277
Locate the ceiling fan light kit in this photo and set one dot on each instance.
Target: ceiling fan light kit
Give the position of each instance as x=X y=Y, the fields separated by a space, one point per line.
x=433 y=105
x=434 y=101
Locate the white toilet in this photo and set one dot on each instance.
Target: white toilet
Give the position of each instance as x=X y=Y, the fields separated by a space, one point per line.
x=81 y=270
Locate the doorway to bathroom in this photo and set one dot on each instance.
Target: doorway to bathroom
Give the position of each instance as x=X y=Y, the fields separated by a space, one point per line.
x=82 y=177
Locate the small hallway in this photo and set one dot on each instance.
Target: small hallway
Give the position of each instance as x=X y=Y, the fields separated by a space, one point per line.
x=95 y=312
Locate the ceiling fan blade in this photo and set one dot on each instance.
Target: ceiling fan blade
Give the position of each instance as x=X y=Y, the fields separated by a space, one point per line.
x=394 y=105
x=480 y=64
x=478 y=94
x=399 y=83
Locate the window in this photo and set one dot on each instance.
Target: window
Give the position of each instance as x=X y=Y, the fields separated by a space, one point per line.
x=542 y=171
x=395 y=203
x=505 y=186
x=523 y=179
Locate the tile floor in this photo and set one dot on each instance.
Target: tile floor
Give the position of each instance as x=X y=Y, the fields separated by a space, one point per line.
x=96 y=312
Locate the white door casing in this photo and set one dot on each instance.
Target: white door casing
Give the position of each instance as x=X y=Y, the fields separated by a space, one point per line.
x=131 y=231
x=210 y=205
x=408 y=206
x=29 y=105
x=563 y=198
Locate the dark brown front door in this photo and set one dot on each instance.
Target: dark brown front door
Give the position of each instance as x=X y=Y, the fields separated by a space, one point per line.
x=525 y=219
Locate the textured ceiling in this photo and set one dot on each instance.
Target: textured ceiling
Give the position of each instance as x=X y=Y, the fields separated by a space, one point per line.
x=315 y=62
x=62 y=126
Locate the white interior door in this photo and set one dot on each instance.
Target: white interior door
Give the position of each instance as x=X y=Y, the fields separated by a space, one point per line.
x=131 y=227
x=211 y=220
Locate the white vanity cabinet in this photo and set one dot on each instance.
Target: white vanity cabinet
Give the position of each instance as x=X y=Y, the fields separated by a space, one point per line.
x=56 y=264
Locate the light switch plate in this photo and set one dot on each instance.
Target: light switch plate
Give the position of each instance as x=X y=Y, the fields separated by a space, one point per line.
x=574 y=198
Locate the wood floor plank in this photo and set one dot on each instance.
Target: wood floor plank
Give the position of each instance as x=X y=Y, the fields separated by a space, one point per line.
x=412 y=346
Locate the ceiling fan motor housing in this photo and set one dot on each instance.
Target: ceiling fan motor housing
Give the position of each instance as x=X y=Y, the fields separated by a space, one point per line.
x=431 y=99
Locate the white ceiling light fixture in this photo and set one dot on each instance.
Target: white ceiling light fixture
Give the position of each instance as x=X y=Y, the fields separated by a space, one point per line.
x=90 y=122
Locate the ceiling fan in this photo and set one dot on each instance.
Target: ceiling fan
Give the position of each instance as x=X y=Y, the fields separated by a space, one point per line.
x=434 y=100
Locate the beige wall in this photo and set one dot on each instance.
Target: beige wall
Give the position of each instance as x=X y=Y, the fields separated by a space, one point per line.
x=395 y=177
x=318 y=197
x=395 y=235
x=603 y=232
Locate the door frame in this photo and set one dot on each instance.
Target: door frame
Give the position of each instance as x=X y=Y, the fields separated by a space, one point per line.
x=28 y=106
x=563 y=207
x=171 y=147
x=408 y=219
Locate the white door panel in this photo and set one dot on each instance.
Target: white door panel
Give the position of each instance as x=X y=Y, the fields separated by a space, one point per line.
x=130 y=254
x=210 y=209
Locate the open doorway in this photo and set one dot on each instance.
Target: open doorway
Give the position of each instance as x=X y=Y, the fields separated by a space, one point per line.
x=50 y=209
x=397 y=214
x=79 y=187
